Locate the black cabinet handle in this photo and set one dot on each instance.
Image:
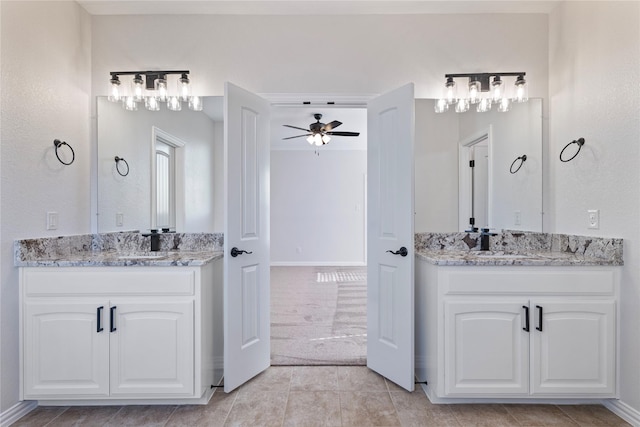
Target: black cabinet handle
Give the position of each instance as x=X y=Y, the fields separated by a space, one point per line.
x=402 y=251
x=99 y=317
x=112 y=318
x=539 y=327
x=235 y=252
x=526 y=318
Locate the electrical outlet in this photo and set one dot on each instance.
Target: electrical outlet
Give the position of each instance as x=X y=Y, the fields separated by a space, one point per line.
x=517 y=218
x=594 y=218
x=119 y=219
x=299 y=250
x=52 y=220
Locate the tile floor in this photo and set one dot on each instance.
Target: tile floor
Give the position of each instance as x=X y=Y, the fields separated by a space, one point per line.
x=323 y=396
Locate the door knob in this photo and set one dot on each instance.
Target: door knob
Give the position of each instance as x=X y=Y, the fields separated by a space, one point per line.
x=235 y=252
x=402 y=251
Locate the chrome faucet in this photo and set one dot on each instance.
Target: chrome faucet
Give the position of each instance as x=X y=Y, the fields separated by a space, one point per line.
x=484 y=239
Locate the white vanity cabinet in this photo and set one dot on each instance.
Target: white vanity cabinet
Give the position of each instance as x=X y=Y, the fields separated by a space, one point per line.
x=109 y=333
x=516 y=331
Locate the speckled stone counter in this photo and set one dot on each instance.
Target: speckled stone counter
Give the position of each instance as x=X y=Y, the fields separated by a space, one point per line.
x=118 y=249
x=518 y=248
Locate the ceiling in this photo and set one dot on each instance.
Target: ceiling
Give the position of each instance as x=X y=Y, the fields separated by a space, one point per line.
x=311 y=7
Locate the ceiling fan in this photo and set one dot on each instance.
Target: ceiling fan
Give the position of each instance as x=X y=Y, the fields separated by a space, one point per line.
x=318 y=133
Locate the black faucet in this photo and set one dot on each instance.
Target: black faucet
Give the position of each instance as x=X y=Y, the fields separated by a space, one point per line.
x=484 y=239
x=155 y=239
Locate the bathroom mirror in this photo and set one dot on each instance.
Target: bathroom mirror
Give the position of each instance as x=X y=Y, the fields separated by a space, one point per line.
x=169 y=168
x=446 y=142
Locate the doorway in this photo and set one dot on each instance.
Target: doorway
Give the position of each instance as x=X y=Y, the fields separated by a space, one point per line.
x=318 y=240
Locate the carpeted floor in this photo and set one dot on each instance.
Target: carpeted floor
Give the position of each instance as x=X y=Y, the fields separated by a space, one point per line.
x=318 y=315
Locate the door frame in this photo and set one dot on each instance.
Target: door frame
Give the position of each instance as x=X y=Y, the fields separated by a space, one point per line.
x=464 y=175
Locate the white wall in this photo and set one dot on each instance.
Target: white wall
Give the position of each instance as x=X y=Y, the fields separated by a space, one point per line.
x=46 y=49
x=594 y=57
x=318 y=207
x=127 y=134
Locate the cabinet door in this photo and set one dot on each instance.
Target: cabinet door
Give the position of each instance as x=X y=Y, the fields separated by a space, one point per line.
x=152 y=348
x=486 y=348
x=575 y=351
x=64 y=353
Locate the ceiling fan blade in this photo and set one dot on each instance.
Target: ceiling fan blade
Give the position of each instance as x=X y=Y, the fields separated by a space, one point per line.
x=297 y=136
x=334 y=124
x=295 y=127
x=343 y=133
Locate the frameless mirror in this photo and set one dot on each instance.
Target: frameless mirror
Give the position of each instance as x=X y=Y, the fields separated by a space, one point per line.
x=168 y=172
x=449 y=192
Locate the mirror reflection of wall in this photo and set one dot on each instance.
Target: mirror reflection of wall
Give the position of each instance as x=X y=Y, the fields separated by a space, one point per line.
x=131 y=202
x=514 y=200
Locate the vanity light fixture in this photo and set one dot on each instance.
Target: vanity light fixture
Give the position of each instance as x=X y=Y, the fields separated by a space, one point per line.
x=151 y=88
x=478 y=84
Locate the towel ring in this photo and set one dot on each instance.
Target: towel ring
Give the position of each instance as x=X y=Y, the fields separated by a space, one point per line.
x=522 y=159
x=59 y=144
x=118 y=160
x=580 y=142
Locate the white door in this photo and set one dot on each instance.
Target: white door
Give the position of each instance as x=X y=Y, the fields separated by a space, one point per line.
x=246 y=234
x=486 y=347
x=390 y=252
x=66 y=349
x=573 y=347
x=151 y=347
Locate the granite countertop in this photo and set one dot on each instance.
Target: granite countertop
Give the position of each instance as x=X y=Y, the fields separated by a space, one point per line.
x=502 y=258
x=121 y=259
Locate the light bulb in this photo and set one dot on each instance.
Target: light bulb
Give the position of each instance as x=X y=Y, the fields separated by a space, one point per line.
x=129 y=103
x=174 y=104
x=195 y=103
x=310 y=139
x=325 y=139
x=450 y=91
x=462 y=105
x=474 y=91
x=317 y=139
x=441 y=105
x=522 y=92
x=484 y=105
x=151 y=103
x=114 y=90
x=137 y=88
x=184 y=88
x=496 y=89
x=161 y=88
x=504 y=105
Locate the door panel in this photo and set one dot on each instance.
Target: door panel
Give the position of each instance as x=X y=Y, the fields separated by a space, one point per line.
x=575 y=351
x=152 y=348
x=486 y=348
x=390 y=289
x=246 y=276
x=66 y=349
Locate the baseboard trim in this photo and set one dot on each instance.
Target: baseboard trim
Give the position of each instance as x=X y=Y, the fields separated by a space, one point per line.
x=17 y=411
x=624 y=411
x=318 y=264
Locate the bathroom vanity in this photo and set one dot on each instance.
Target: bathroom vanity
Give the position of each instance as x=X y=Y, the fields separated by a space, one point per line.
x=499 y=326
x=104 y=327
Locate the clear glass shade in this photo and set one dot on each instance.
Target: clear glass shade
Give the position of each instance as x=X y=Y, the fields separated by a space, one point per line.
x=462 y=105
x=151 y=103
x=174 y=104
x=441 y=105
x=129 y=103
x=475 y=89
x=137 y=88
x=184 y=88
x=161 y=89
x=522 y=91
x=115 y=93
x=484 y=105
x=195 y=103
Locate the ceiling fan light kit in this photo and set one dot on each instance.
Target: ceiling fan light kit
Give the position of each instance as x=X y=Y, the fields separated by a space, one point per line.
x=319 y=133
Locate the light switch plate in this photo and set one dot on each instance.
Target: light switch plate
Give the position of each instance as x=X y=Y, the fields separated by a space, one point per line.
x=517 y=218
x=593 y=218
x=119 y=219
x=52 y=220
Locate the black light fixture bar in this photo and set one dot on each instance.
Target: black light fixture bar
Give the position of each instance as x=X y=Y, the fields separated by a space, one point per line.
x=150 y=76
x=484 y=78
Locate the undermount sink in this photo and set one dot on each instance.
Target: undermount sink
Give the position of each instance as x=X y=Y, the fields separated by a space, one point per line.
x=501 y=255
x=141 y=256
